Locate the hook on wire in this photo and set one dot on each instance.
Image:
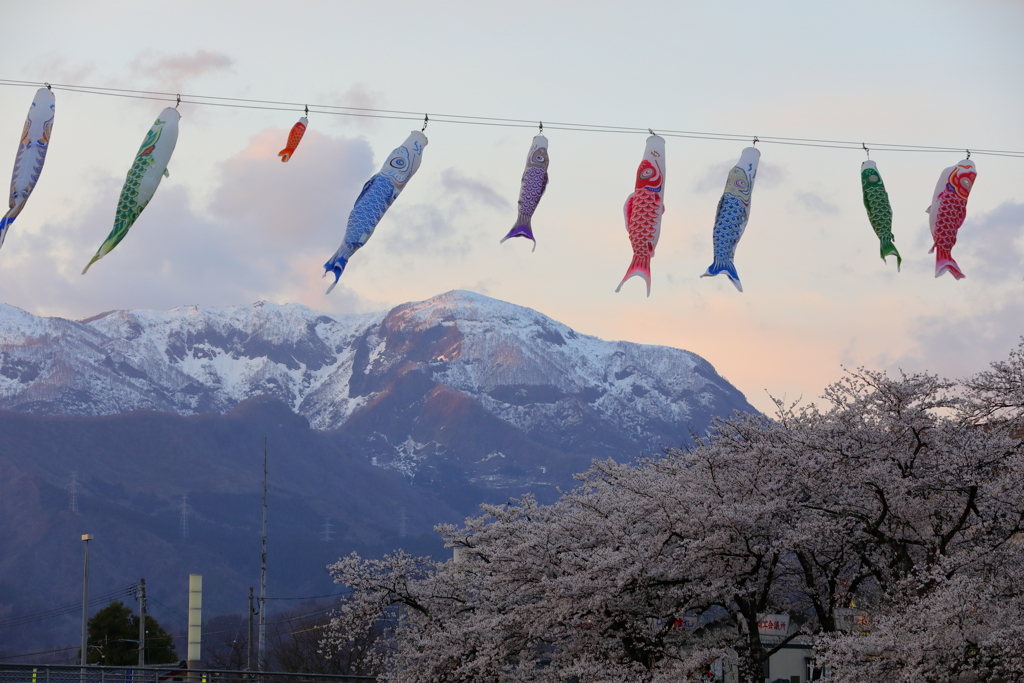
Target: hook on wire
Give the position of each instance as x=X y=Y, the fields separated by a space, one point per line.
x=866 y=150
x=307 y=110
x=178 y=102
x=756 y=141
x=426 y=120
x=48 y=86
x=968 y=154
x=541 y=128
x=651 y=131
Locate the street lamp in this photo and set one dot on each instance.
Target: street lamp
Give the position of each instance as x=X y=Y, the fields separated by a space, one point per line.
x=85 y=597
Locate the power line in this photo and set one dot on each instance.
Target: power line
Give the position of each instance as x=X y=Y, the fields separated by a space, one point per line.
x=314 y=597
x=26 y=654
x=67 y=608
x=303 y=616
x=463 y=119
x=150 y=598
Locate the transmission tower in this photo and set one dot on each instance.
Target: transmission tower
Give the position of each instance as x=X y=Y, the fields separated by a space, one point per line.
x=73 y=493
x=185 y=508
x=401 y=524
x=325 y=534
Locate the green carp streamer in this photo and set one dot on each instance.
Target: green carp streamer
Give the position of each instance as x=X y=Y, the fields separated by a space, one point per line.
x=876 y=201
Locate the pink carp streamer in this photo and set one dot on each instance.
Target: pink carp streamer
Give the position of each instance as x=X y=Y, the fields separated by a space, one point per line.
x=644 y=209
x=947 y=214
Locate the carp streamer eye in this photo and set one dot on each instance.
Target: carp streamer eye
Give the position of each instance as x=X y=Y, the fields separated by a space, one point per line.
x=872 y=178
x=539 y=158
x=398 y=163
x=646 y=173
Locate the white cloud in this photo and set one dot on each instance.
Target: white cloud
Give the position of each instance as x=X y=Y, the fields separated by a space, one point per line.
x=267 y=231
x=453 y=181
x=816 y=203
x=991 y=245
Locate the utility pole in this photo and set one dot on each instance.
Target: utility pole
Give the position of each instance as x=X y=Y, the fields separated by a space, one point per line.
x=263 y=570
x=248 y=650
x=142 y=623
x=85 y=599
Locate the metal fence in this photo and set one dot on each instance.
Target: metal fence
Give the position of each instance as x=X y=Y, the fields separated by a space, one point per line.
x=43 y=673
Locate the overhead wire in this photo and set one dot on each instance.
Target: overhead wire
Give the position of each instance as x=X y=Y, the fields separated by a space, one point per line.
x=129 y=590
x=67 y=608
x=41 y=652
x=314 y=597
x=464 y=119
x=179 y=615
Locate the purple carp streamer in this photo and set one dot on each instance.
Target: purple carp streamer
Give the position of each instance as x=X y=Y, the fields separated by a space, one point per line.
x=28 y=164
x=535 y=181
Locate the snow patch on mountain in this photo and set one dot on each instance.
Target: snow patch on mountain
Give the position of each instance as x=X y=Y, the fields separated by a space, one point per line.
x=522 y=367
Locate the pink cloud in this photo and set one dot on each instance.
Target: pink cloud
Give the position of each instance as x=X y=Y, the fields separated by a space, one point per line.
x=170 y=73
x=269 y=228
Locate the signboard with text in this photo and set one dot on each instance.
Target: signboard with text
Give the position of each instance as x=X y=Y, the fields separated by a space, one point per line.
x=773 y=624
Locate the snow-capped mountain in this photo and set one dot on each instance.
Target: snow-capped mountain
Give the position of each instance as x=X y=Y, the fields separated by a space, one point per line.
x=458 y=400
x=393 y=380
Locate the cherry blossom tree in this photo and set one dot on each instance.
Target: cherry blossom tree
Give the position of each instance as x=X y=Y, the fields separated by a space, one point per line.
x=899 y=495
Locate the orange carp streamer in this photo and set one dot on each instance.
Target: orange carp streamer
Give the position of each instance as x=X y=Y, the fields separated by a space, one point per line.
x=298 y=130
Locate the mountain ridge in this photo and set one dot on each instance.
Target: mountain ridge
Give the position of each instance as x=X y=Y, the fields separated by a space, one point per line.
x=518 y=365
x=378 y=426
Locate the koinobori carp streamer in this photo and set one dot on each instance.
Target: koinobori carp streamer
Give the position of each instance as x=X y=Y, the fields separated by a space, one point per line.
x=534 y=183
x=644 y=209
x=28 y=164
x=732 y=215
x=947 y=213
x=876 y=201
x=378 y=194
x=148 y=169
x=294 y=137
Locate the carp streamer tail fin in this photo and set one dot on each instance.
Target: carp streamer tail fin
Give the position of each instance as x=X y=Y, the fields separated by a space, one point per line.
x=337 y=266
x=944 y=262
x=95 y=258
x=522 y=229
x=726 y=267
x=5 y=223
x=889 y=249
x=641 y=265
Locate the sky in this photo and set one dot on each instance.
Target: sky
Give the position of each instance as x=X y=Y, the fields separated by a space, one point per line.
x=233 y=225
